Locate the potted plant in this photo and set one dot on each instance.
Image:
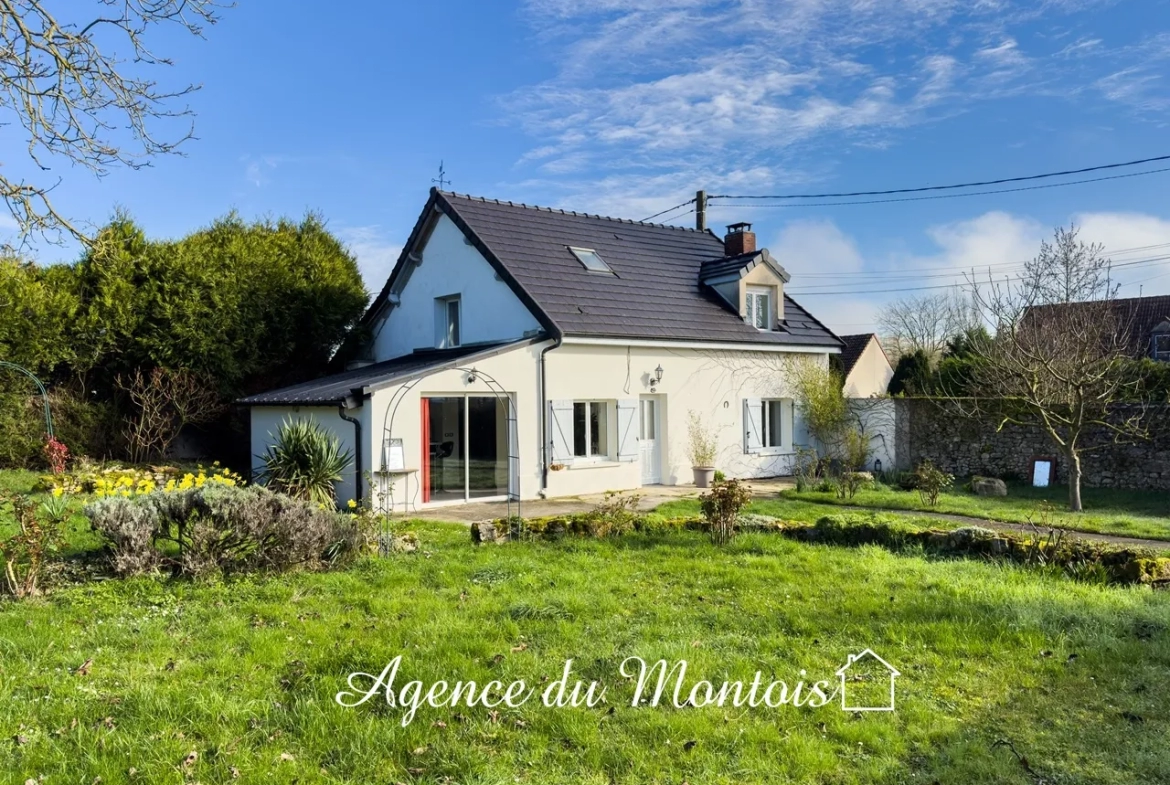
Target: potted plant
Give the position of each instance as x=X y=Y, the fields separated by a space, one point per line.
x=702 y=450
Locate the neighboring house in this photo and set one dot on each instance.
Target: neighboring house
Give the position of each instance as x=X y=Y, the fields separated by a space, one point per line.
x=865 y=366
x=1146 y=320
x=520 y=352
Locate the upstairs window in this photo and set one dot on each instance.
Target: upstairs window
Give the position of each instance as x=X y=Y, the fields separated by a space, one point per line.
x=1162 y=347
x=758 y=308
x=590 y=260
x=447 y=322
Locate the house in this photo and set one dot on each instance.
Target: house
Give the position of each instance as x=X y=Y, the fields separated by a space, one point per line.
x=1146 y=321
x=520 y=352
x=868 y=673
x=864 y=366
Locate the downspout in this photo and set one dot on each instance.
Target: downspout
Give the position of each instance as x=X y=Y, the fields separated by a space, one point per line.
x=357 y=453
x=544 y=416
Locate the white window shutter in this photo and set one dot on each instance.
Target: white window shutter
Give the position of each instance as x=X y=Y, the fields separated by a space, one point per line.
x=752 y=437
x=560 y=430
x=627 y=429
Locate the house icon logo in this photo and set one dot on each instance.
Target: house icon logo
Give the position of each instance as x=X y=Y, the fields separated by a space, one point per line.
x=863 y=683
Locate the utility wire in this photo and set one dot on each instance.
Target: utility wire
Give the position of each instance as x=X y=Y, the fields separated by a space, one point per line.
x=926 y=198
x=977 y=184
x=669 y=210
x=823 y=291
x=898 y=271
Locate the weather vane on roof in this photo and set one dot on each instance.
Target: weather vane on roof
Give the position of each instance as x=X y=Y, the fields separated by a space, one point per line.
x=442 y=178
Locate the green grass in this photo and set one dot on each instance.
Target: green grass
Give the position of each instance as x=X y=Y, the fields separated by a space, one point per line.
x=244 y=673
x=1127 y=513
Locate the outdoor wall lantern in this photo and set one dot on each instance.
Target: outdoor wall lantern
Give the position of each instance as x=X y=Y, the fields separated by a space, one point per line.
x=657 y=377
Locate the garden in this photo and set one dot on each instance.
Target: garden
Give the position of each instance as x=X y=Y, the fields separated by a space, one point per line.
x=192 y=627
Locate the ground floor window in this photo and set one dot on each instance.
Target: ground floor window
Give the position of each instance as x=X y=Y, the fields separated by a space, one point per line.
x=590 y=429
x=765 y=421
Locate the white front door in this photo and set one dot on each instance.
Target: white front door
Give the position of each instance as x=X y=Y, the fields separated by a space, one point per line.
x=649 y=443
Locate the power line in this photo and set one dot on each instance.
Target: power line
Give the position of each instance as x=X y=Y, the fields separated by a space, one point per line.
x=929 y=198
x=954 y=186
x=669 y=210
x=1007 y=266
x=824 y=290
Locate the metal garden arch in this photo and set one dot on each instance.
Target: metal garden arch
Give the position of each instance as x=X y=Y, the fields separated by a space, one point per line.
x=40 y=387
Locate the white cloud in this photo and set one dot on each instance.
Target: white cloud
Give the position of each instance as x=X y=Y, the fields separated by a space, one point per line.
x=823 y=259
x=654 y=92
x=376 y=254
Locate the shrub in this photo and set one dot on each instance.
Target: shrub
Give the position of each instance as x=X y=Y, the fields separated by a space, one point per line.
x=615 y=514
x=56 y=454
x=930 y=482
x=305 y=462
x=221 y=529
x=721 y=507
x=129 y=531
x=719 y=476
x=701 y=441
x=163 y=402
x=25 y=552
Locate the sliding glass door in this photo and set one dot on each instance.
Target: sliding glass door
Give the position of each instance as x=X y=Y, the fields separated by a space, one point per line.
x=466 y=455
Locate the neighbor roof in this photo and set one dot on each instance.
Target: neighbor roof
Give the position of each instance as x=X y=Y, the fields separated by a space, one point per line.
x=334 y=390
x=654 y=293
x=1140 y=315
x=854 y=346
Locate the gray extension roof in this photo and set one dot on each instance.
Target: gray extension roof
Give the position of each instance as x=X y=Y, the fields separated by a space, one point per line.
x=655 y=292
x=355 y=384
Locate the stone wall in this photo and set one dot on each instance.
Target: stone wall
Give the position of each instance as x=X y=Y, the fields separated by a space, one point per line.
x=962 y=445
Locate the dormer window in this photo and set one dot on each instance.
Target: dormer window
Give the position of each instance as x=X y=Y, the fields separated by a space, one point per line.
x=590 y=260
x=1162 y=347
x=758 y=307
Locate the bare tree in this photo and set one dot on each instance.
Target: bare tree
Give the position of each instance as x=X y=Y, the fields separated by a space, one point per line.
x=1060 y=354
x=926 y=322
x=80 y=102
x=164 y=402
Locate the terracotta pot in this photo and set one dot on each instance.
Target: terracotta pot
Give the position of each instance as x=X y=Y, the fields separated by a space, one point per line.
x=703 y=476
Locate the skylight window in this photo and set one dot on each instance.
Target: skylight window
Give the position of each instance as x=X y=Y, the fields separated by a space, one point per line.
x=590 y=260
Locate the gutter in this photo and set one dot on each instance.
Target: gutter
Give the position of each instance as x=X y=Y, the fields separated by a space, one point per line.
x=560 y=338
x=357 y=453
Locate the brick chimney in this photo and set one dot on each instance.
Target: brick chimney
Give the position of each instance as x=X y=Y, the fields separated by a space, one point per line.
x=740 y=239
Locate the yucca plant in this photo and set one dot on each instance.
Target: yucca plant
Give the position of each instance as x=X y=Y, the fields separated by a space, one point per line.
x=305 y=461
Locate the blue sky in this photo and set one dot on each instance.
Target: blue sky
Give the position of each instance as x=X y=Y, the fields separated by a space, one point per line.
x=626 y=108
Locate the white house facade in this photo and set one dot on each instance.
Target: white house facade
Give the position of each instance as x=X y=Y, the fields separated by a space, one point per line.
x=521 y=352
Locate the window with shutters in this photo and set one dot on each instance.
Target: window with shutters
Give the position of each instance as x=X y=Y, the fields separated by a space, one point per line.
x=765 y=422
x=758 y=308
x=590 y=429
x=772 y=423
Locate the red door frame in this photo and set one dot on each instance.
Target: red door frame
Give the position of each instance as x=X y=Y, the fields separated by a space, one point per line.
x=426 y=449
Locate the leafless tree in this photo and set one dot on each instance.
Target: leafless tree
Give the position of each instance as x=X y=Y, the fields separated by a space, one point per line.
x=164 y=402
x=1060 y=354
x=926 y=322
x=80 y=89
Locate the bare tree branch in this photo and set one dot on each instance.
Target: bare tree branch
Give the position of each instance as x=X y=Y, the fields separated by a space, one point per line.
x=80 y=103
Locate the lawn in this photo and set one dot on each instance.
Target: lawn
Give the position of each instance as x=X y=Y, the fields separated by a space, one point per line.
x=243 y=674
x=1128 y=513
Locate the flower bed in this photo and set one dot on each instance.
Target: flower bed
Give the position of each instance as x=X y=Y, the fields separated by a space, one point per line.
x=1080 y=559
x=115 y=480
